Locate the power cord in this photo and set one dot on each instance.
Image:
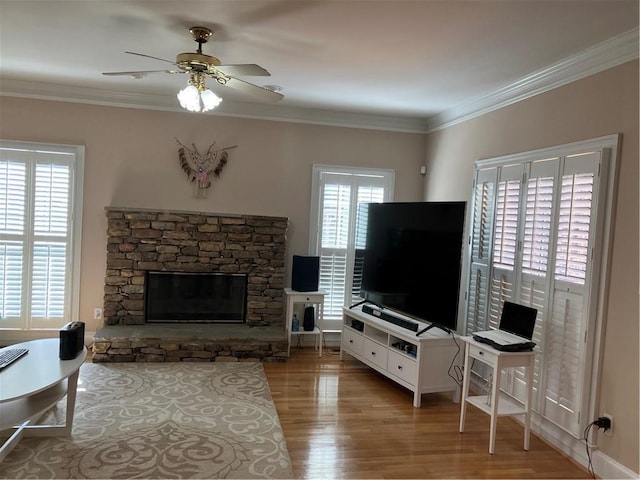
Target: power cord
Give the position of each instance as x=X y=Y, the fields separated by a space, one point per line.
x=458 y=373
x=601 y=422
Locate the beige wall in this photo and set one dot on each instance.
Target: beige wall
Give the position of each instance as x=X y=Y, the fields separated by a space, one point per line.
x=131 y=160
x=599 y=105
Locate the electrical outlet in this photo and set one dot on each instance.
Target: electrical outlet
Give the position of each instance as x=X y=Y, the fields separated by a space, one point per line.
x=609 y=431
x=97 y=313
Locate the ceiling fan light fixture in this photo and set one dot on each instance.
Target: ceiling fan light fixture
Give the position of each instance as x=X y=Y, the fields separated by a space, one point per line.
x=198 y=98
x=189 y=98
x=209 y=100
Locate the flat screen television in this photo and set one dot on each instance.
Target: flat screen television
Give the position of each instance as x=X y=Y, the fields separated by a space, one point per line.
x=411 y=259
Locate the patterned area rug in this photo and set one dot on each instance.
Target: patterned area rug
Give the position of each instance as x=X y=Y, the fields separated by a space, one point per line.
x=179 y=420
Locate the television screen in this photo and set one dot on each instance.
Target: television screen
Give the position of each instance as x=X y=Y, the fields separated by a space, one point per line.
x=411 y=259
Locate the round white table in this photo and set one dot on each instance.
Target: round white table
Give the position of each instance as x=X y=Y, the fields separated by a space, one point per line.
x=32 y=385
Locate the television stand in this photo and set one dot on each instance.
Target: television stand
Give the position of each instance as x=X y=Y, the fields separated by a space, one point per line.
x=421 y=364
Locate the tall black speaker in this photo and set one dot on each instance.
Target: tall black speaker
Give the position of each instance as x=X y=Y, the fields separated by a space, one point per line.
x=305 y=273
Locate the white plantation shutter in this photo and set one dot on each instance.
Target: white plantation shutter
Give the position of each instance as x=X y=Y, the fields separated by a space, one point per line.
x=573 y=227
x=565 y=367
x=505 y=241
x=483 y=207
x=506 y=225
x=543 y=219
x=334 y=238
x=537 y=230
x=534 y=281
x=11 y=255
x=38 y=252
x=51 y=205
x=12 y=214
x=51 y=224
x=563 y=351
x=12 y=197
x=48 y=285
x=366 y=194
x=360 y=244
x=341 y=192
x=333 y=273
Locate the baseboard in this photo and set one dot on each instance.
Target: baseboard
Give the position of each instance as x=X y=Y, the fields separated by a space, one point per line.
x=11 y=337
x=607 y=467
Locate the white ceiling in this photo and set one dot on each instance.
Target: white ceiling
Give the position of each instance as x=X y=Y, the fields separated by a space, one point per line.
x=377 y=61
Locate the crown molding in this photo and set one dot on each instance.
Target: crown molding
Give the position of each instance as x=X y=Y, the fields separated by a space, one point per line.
x=608 y=54
x=603 y=56
x=13 y=87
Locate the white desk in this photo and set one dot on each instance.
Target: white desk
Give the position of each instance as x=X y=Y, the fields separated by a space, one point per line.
x=32 y=385
x=313 y=298
x=497 y=405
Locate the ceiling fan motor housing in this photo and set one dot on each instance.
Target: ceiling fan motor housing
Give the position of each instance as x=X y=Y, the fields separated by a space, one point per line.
x=197 y=61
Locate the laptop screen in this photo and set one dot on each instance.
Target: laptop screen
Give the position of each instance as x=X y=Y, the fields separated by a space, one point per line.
x=518 y=319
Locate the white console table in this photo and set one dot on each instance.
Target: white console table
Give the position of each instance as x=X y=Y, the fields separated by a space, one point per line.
x=379 y=344
x=497 y=404
x=310 y=298
x=32 y=385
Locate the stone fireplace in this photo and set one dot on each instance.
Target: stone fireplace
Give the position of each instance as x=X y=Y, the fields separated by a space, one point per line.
x=144 y=242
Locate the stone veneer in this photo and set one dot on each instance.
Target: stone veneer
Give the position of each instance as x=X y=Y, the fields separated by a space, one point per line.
x=143 y=240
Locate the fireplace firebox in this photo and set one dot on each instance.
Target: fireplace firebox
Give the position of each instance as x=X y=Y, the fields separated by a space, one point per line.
x=179 y=297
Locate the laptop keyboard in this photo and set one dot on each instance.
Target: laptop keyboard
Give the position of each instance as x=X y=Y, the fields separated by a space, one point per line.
x=505 y=337
x=7 y=357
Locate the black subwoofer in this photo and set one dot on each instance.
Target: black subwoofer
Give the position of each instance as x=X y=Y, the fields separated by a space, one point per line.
x=71 y=340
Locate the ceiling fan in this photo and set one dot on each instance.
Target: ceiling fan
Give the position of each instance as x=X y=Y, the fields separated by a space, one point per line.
x=199 y=66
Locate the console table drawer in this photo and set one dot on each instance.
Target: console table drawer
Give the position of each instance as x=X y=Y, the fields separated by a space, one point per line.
x=484 y=354
x=375 y=353
x=402 y=367
x=352 y=341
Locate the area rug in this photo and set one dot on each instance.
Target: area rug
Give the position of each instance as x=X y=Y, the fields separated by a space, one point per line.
x=179 y=420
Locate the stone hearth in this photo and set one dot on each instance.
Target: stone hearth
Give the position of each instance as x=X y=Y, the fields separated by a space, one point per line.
x=146 y=240
x=189 y=343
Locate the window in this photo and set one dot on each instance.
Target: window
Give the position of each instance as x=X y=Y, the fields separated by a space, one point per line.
x=40 y=224
x=338 y=192
x=533 y=240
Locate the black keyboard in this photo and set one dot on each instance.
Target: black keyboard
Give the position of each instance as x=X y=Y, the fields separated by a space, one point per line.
x=7 y=357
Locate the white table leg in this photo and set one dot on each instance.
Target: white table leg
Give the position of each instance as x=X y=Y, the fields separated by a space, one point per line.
x=33 y=430
x=495 y=396
x=465 y=387
x=527 y=415
x=320 y=315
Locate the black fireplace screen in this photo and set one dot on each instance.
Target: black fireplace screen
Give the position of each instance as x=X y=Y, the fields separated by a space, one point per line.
x=195 y=297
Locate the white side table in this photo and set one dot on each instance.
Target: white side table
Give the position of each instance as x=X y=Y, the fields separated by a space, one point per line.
x=497 y=405
x=313 y=298
x=32 y=385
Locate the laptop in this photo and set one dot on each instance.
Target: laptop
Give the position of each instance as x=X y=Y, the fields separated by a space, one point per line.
x=514 y=331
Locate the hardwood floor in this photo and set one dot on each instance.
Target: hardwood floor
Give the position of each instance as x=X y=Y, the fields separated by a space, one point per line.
x=341 y=419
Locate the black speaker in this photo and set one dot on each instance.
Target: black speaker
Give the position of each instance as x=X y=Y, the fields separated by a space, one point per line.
x=305 y=274
x=309 y=322
x=71 y=340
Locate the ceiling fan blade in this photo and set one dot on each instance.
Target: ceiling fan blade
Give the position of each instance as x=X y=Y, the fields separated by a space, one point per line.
x=248 y=69
x=149 y=56
x=255 y=90
x=138 y=74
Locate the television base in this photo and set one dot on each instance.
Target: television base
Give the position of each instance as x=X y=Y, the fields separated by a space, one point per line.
x=433 y=325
